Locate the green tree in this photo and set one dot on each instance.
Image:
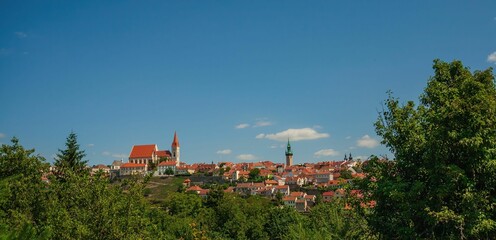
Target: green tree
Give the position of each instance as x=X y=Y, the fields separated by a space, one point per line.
x=22 y=200
x=278 y=199
x=280 y=221
x=254 y=173
x=71 y=158
x=345 y=174
x=169 y=171
x=442 y=182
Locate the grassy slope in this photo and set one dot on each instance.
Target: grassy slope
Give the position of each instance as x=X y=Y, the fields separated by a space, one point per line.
x=160 y=187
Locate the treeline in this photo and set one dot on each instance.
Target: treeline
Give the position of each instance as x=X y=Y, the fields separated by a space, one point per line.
x=74 y=205
x=441 y=184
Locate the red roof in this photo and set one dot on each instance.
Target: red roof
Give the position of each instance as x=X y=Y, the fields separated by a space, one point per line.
x=130 y=165
x=288 y=198
x=330 y=194
x=297 y=194
x=167 y=163
x=175 y=142
x=143 y=151
x=273 y=182
x=194 y=188
x=164 y=153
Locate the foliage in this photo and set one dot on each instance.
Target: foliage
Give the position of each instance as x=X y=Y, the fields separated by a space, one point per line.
x=254 y=173
x=345 y=174
x=442 y=182
x=169 y=171
x=81 y=206
x=21 y=197
x=71 y=158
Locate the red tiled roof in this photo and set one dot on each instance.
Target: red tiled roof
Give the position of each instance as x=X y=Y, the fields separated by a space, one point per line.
x=328 y=194
x=289 y=198
x=130 y=165
x=164 y=153
x=143 y=151
x=273 y=182
x=99 y=166
x=297 y=194
x=167 y=163
x=194 y=188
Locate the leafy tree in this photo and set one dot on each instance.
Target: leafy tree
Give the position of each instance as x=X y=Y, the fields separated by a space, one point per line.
x=345 y=174
x=334 y=220
x=215 y=196
x=152 y=166
x=71 y=158
x=22 y=201
x=182 y=204
x=278 y=199
x=169 y=171
x=280 y=221
x=254 y=173
x=442 y=182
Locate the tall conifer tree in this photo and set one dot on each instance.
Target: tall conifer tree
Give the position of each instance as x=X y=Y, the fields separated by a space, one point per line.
x=71 y=158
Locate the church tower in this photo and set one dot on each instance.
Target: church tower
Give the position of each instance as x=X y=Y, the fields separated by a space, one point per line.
x=289 y=155
x=176 y=153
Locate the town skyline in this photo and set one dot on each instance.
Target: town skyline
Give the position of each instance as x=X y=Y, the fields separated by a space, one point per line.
x=234 y=81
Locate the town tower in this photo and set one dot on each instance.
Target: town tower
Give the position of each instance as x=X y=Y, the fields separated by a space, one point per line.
x=176 y=153
x=289 y=155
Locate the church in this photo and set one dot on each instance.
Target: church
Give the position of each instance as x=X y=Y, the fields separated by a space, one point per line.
x=146 y=154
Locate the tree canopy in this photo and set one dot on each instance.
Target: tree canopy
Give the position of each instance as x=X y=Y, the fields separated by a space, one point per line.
x=71 y=158
x=442 y=183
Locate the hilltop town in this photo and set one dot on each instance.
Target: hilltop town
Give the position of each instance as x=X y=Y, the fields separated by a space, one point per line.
x=299 y=186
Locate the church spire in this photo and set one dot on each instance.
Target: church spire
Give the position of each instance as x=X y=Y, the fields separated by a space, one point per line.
x=289 y=155
x=288 y=149
x=175 y=142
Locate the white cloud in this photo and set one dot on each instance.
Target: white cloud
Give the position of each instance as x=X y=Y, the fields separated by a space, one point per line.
x=116 y=155
x=326 y=153
x=224 y=152
x=242 y=125
x=360 y=158
x=317 y=127
x=2 y=135
x=246 y=157
x=294 y=135
x=367 y=141
x=21 y=34
x=348 y=138
x=91 y=145
x=262 y=124
x=492 y=57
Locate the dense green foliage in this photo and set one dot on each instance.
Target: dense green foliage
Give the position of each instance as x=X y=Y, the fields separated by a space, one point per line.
x=71 y=158
x=443 y=182
x=81 y=206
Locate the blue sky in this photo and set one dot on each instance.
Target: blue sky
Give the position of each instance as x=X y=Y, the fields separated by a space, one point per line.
x=233 y=78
